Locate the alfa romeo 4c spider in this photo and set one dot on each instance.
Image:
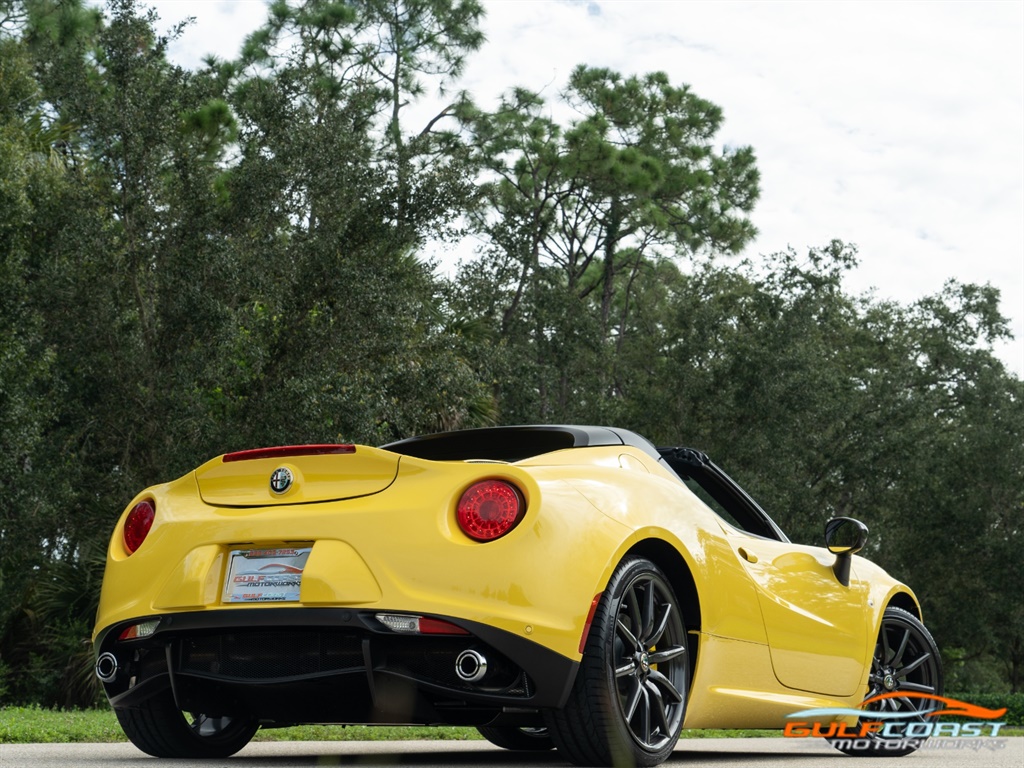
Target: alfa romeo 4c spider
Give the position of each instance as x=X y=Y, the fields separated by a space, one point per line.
x=572 y=587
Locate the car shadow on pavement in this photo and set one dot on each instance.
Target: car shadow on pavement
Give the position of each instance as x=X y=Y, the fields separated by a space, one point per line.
x=489 y=757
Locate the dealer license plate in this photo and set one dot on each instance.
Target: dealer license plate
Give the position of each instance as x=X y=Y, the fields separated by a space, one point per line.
x=265 y=575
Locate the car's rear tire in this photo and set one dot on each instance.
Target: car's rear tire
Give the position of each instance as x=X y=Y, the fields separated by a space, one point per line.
x=159 y=728
x=906 y=658
x=627 y=704
x=518 y=739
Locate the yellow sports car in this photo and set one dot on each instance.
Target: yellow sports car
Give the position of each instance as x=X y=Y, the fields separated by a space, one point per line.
x=554 y=586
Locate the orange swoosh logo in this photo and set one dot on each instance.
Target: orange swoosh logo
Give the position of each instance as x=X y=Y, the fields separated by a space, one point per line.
x=946 y=706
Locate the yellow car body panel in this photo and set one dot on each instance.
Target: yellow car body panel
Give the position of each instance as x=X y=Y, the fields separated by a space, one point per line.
x=409 y=546
x=230 y=483
x=777 y=631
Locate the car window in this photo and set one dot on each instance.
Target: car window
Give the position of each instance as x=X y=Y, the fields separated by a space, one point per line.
x=722 y=494
x=704 y=496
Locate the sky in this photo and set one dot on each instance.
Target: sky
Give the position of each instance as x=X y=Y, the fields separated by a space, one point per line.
x=894 y=125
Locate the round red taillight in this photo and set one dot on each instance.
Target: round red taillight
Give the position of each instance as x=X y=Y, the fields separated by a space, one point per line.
x=489 y=509
x=137 y=525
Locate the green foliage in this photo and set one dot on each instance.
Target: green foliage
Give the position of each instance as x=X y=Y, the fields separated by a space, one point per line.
x=327 y=207
x=29 y=495
x=1014 y=703
x=47 y=639
x=965 y=669
x=578 y=218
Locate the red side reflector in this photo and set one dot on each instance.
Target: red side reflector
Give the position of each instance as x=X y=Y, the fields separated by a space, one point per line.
x=430 y=626
x=590 y=620
x=282 y=451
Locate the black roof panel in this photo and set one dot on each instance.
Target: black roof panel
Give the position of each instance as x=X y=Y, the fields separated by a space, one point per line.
x=514 y=443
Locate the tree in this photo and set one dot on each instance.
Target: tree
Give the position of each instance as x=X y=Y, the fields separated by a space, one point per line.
x=367 y=59
x=955 y=512
x=577 y=216
x=33 y=180
x=327 y=207
x=25 y=377
x=120 y=284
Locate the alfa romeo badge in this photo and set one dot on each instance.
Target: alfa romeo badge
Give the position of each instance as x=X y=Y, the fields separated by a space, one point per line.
x=281 y=480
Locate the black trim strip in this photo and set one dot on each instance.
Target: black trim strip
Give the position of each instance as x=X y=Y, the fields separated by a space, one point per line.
x=551 y=673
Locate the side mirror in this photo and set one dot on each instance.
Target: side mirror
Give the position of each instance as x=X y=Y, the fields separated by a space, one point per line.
x=844 y=537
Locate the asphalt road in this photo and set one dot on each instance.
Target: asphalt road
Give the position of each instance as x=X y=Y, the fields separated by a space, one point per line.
x=718 y=753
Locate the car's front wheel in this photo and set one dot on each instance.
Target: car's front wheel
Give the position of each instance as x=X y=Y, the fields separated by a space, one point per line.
x=905 y=670
x=627 y=704
x=159 y=728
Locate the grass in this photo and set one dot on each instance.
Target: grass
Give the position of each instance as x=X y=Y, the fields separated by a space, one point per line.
x=27 y=725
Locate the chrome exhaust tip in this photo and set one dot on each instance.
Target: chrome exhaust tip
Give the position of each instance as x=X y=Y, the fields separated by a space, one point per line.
x=471 y=666
x=107 y=667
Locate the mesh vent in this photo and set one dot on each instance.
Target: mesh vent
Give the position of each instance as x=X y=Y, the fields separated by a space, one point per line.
x=268 y=655
x=278 y=654
x=434 y=661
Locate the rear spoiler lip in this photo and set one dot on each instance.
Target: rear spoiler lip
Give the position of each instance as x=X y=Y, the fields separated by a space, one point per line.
x=284 y=451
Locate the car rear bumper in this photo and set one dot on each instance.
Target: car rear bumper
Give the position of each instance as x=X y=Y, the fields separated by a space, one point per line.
x=330 y=665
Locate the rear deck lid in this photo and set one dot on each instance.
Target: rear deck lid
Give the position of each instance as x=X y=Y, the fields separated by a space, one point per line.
x=295 y=474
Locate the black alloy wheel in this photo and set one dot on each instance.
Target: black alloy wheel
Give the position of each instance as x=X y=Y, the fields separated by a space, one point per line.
x=906 y=660
x=629 y=698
